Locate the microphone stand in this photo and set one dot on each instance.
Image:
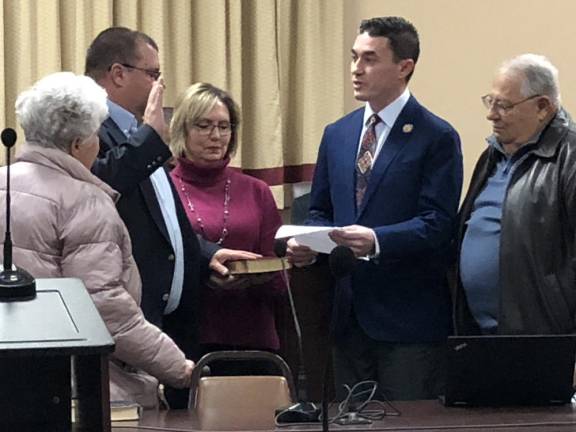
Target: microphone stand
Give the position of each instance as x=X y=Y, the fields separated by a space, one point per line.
x=303 y=410
x=342 y=263
x=324 y=407
x=302 y=379
x=15 y=284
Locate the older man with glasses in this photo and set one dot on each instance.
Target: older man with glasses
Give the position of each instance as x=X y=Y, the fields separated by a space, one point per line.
x=516 y=262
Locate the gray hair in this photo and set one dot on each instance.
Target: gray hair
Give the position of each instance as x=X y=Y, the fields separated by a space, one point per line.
x=60 y=108
x=539 y=76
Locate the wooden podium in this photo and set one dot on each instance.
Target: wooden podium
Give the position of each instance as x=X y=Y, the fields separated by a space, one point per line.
x=43 y=342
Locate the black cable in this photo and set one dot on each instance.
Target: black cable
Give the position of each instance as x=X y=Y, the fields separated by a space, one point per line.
x=301 y=377
x=324 y=412
x=355 y=408
x=280 y=248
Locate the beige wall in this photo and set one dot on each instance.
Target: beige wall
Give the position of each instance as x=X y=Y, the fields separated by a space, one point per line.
x=463 y=42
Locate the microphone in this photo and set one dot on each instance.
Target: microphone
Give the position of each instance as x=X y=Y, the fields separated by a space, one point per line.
x=15 y=284
x=8 y=137
x=342 y=261
x=280 y=247
x=303 y=411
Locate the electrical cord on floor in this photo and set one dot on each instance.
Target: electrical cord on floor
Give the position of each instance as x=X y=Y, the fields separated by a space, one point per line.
x=360 y=407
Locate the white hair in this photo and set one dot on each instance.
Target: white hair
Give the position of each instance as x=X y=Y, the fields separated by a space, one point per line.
x=539 y=76
x=60 y=108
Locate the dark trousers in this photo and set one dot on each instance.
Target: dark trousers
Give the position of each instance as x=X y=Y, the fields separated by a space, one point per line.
x=404 y=371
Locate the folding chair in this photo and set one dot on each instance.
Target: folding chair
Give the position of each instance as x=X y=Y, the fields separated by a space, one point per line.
x=240 y=402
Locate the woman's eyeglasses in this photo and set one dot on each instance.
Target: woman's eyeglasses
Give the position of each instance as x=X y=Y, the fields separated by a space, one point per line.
x=207 y=128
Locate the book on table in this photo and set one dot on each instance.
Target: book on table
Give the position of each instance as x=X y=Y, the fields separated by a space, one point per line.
x=124 y=411
x=260 y=265
x=119 y=410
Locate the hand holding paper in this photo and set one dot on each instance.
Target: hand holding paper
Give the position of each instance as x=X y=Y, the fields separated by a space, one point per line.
x=315 y=237
x=300 y=255
x=358 y=238
x=306 y=241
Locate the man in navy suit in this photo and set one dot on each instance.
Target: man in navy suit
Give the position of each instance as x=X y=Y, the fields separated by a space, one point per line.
x=389 y=177
x=171 y=258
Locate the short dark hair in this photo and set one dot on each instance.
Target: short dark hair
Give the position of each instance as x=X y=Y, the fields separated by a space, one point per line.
x=114 y=45
x=401 y=33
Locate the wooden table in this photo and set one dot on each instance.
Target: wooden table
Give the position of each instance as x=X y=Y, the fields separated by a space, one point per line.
x=415 y=416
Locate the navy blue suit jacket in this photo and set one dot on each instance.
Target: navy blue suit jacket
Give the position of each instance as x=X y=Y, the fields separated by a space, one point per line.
x=411 y=203
x=126 y=164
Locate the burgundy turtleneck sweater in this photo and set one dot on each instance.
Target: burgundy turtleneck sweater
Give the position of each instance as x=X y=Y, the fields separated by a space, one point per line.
x=244 y=317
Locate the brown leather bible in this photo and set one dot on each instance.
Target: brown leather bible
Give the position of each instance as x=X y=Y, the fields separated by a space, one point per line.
x=260 y=265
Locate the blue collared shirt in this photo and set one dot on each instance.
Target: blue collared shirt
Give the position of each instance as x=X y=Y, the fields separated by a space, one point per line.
x=124 y=119
x=480 y=253
x=388 y=115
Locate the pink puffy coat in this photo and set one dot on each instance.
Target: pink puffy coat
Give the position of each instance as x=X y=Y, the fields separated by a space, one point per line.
x=65 y=224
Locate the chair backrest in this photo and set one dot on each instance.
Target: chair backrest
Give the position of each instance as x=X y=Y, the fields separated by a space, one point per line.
x=240 y=402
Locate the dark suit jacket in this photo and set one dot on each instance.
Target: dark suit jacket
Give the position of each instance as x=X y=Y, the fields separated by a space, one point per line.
x=123 y=163
x=411 y=203
x=126 y=165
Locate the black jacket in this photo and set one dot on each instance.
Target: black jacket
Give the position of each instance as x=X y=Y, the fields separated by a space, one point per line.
x=126 y=165
x=537 y=243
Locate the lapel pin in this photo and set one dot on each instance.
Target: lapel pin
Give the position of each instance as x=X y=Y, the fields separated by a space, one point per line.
x=407 y=128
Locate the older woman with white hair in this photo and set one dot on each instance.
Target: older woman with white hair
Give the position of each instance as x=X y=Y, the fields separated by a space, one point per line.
x=74 y=229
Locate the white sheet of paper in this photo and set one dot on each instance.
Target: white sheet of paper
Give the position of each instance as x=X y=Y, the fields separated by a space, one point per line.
x=315 y=237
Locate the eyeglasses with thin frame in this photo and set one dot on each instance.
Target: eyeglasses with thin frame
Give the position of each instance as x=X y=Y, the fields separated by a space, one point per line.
x=206 y=128
x=501 y=107
x=152 y=73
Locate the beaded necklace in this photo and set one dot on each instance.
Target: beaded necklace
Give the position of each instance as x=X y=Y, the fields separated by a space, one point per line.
x=199 y=218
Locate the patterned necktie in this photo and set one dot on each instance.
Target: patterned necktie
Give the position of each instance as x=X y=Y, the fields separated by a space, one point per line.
x=366 y=158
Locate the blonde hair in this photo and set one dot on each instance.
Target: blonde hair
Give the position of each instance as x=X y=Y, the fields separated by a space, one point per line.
x=196 y=101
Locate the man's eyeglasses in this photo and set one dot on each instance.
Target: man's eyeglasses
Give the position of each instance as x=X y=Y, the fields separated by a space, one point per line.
x=206 y=128
x=152 y=73
x=503 y=107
